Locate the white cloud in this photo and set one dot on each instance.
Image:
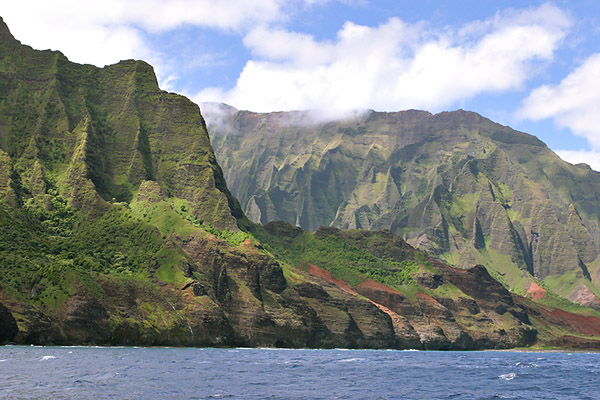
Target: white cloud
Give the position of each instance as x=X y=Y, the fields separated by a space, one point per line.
x=217 y=116
x=152 y=15
x=573 y=103
x=395 y=65
x=591 y=158
x=299 y=48
x=323 y=2
x=107 y=31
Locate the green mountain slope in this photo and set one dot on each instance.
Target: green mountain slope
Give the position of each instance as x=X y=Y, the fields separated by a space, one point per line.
x=96 y=134
x=457 y=185
x=117 y=227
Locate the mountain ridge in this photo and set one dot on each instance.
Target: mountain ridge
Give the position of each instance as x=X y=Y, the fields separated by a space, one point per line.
x=117 y=228
x=455 y=184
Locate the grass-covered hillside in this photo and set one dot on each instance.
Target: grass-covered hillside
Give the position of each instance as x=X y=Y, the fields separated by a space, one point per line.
x=462 y=188
x=117 y=227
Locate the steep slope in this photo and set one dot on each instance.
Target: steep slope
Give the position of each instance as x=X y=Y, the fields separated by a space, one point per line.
x=431 y=305
x=117 y=227
x=457 y=185
x=96 y=134
x=116 y=223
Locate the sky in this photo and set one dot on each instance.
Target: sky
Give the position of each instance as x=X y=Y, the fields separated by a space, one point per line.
x=532 y=65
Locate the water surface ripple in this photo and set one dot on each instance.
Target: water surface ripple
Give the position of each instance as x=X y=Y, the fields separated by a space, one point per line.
x=197 y=373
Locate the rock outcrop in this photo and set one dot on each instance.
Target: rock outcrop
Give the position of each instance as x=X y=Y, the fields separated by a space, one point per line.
x=455 y=184
x=117 y=227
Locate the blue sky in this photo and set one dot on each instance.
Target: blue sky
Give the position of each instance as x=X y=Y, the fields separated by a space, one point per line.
x=533 y=65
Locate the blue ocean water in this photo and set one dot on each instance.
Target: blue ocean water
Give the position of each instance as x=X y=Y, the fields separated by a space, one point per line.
x=199 y=373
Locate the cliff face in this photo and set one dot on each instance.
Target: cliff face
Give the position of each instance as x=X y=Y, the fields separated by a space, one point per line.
x=457 y=185
x=117 y=227
x=95 y=134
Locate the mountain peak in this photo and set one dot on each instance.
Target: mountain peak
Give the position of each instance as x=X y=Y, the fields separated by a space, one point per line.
x=455 y=184
x=5 y=32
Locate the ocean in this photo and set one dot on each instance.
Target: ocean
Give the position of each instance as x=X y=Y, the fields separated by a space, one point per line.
x=29 y=372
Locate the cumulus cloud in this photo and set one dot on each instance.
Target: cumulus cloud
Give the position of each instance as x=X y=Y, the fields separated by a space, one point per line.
x=395 y=65
x=151 y=15
x=574 y=103
x=589 y=157
x=107 y=31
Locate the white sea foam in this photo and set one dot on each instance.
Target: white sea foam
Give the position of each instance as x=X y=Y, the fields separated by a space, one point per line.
x=266 y=348
x=508 y=377
x=351 y=359
x=45 y=358
x=526 y=365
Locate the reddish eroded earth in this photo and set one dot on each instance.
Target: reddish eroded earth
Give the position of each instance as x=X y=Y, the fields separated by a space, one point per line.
x=402 y=311
x=380 y=294
x=326 y=275
x=577 y=323
x=584 y=296
x=430 y=301
x=370 y=284
x=571 y=324
x=385 y=295
x=406 y=336
x=535 y=291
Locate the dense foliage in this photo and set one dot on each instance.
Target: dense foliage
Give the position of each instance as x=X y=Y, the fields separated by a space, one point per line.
x=338 y=255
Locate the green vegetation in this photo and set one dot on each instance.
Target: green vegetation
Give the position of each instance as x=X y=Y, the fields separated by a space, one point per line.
x=456 y=185
x=342 y=258
x=41 y=249
x=117 y=227
x=233 y=238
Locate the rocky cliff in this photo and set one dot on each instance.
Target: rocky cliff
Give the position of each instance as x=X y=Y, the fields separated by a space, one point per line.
x=117 y=227
x=457 y=185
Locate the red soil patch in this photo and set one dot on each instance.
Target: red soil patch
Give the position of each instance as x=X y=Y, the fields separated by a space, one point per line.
x=368 y=284
x=321 y=273
x=554 y=316
x=249 y=247
x=386 y=298
x=372 y=285
x=394 y=315
x=428 y=299
x=535 y=291
x=438 y=264
x=578 y=323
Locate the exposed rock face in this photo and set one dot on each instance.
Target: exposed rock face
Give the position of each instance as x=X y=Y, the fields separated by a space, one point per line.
x=96 y=134
x=457 y=185
x=435 y=306
x=117 y=227
x=8 y=325
x=111 y=205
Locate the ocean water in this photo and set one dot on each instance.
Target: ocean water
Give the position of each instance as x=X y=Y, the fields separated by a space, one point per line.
x=198 y=373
